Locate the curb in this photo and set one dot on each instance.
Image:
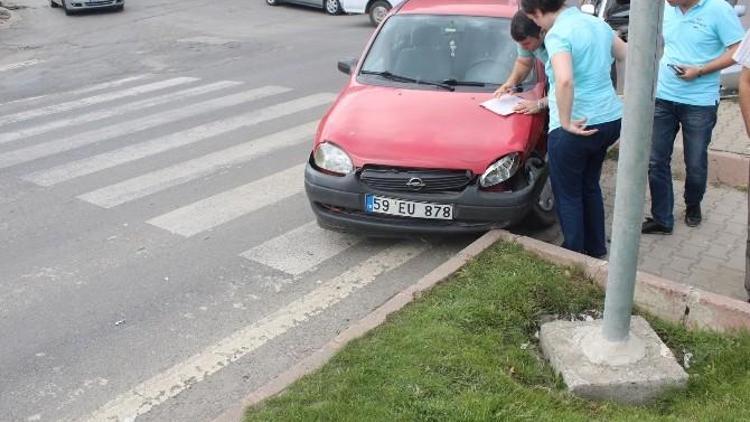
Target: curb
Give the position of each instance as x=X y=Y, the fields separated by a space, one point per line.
x=726 y=168
x=658 y=296
x=372 y=320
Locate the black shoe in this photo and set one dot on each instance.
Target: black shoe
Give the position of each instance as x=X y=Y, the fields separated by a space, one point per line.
x=652 y=227
x=693 y=215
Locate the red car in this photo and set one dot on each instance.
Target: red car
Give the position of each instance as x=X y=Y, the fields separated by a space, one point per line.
x=406 y=147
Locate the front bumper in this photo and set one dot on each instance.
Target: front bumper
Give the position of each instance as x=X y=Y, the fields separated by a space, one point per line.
x=87 y=4
x=339 y=204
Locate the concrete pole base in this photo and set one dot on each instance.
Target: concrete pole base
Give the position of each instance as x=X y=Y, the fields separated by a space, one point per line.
x=636 y=371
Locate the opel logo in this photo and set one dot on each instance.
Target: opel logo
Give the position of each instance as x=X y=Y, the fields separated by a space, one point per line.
x=415 y=183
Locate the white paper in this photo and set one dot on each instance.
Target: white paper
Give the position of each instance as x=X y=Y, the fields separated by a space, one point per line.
x=503 y=106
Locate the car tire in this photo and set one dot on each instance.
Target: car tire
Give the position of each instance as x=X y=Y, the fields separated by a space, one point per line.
x=332 y=7
x=120 y=8
x=53 y=5
x=273 y=2
x=65 y=8
x=543 y=213
x=378 y=11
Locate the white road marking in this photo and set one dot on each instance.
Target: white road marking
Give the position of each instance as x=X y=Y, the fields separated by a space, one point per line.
x=96 y=99
x=168 y=384
x=114 y=111
x=140 y=150
x=47 y=149
x=92 y=88
x=301 y=249
x=156 y=181
x=226 y=206
x=20 y=65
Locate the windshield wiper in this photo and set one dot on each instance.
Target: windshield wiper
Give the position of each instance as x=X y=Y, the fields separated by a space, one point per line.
x=388 y=75
x=454 y=82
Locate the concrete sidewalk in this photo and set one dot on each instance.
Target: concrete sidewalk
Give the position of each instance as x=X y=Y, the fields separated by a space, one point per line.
x=710 y=257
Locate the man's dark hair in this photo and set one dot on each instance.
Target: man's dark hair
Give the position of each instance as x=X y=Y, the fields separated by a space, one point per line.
x=521 y=27
x=545 y=6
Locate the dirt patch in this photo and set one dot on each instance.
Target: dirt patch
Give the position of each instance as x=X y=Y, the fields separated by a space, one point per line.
x=11 y=6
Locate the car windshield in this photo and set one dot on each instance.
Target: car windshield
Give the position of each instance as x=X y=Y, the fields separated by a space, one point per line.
x=452 y=50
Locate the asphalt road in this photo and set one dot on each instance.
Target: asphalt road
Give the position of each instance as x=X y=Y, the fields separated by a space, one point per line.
x=157 y=252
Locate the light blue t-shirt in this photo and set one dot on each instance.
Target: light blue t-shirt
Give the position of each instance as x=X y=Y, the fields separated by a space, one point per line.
x=696 y=38
x=589 y=41
x=540 y=53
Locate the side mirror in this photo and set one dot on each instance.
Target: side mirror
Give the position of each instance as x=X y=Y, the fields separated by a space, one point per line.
x=740 y=9
x=346 y=66
x=588 y=9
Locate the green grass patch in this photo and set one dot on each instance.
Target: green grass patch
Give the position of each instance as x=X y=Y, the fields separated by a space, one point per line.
x=467 y=351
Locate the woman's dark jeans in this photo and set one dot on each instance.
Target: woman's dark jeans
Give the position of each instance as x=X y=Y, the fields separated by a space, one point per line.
x=575 y=164
x=697 y=124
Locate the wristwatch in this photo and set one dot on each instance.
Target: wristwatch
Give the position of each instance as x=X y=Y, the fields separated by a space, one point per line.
x=700 y=70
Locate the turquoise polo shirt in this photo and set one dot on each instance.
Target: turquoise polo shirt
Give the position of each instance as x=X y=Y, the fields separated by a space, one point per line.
x=540 y=53
x=589 y=40
x=696 y=38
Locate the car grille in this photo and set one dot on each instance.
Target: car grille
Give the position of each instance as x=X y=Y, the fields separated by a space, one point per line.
x=99 y=3
x=405 y=180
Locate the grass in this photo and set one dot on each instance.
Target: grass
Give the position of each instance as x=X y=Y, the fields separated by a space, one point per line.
x=467 y=351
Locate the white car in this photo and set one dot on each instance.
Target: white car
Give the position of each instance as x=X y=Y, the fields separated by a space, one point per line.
x=377 y=9
x=72 y=6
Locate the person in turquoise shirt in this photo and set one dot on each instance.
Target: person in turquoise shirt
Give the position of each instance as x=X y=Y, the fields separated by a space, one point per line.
x=700 y=37
x=530 y=40
x=585 y=115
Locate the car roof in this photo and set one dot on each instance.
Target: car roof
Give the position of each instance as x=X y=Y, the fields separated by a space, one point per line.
x=493 y=8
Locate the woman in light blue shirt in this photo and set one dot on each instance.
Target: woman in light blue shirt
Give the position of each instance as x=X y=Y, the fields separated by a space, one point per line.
x=585 y=114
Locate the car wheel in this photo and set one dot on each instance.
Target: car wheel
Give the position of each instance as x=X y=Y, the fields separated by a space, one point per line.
x=65 y=8
x=332 y=7
x=378 y=11
x=273 y=2
x=53 y=5
x=543 y=213
x=120 y=8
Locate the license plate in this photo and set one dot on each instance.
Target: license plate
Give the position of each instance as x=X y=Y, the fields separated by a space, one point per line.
x=404 y=208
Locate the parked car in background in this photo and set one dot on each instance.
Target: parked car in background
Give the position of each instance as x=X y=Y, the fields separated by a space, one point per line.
x=332 y=7
x=376 y=9
x=72 y=6
x=617 y=14
x=406 y=147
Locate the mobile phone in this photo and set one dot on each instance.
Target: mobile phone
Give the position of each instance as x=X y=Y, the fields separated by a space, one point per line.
x=676 y=69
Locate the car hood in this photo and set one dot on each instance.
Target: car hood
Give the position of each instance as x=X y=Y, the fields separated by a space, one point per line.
x=423 y=128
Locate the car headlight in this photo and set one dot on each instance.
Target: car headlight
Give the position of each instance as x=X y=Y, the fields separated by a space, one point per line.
x=329 y=157
x=501 y=170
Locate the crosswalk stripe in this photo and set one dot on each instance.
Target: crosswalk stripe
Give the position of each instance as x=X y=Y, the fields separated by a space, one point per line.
x=47 y=149
x=142 y=398
x=19 y=65
x=114 y=111
x=147 y=184
x=96 y=99
x=226 y=206
x=85 y=90
x=144 y=149
x=304 y=248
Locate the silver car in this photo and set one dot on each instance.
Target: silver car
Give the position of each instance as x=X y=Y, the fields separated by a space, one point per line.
x=72 y=6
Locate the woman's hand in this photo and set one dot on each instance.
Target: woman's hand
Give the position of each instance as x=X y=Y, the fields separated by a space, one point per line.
x=578 y=127
x=529 y=107
x=505 y=88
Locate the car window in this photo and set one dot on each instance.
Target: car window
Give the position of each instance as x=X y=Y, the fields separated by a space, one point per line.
x=441 y=48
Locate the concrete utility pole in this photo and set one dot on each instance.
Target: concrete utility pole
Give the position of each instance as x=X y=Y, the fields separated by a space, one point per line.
x=632 y=167
x=611 y=359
